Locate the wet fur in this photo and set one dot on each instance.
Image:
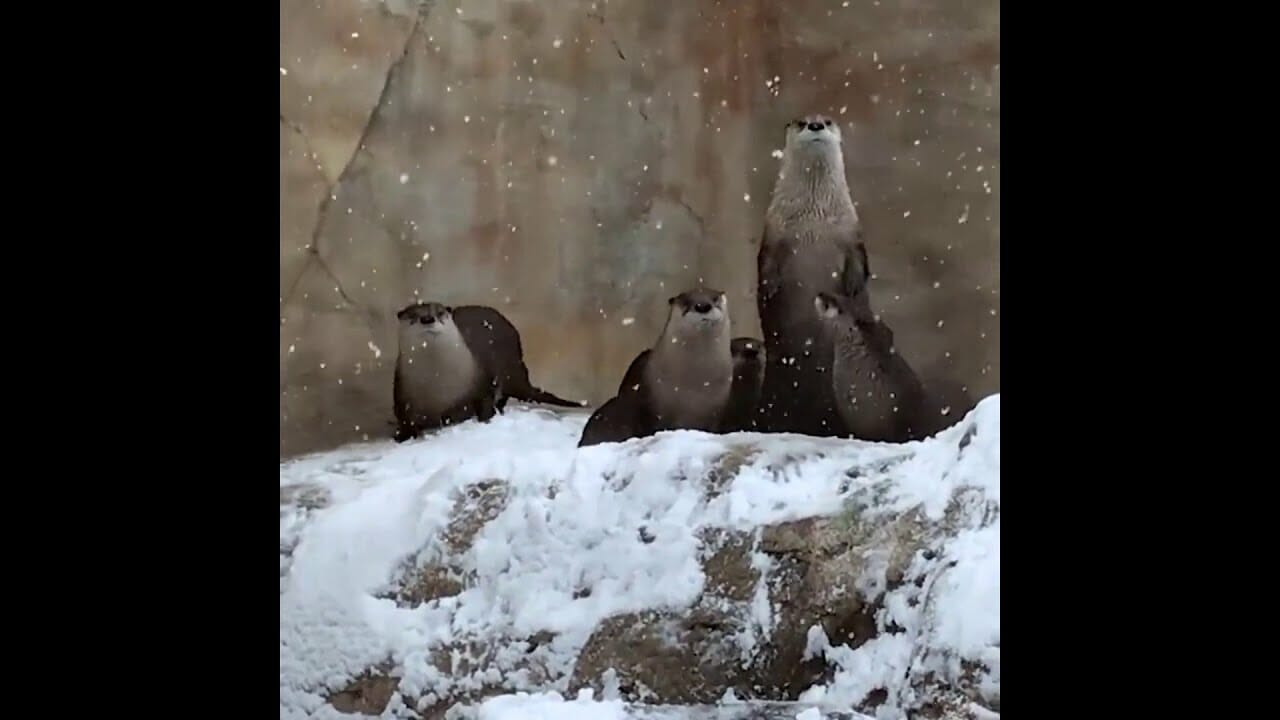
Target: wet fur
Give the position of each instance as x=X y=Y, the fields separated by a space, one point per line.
x=689 y=371
x=812 y=243
x=621 y=418
x=744 y=395
x=647 y=400
x=878 y=395
x=744 y=392
x=479 y=390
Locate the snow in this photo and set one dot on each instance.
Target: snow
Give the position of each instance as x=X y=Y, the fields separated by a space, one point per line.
x=352 y=518
x=550 y=706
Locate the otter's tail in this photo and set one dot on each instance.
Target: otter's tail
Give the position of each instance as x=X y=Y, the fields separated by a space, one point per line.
x=538 y=395
x=518 y=385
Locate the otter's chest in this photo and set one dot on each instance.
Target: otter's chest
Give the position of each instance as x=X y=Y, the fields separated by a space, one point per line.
x=689 y=396
x=438 y=375
x=815 y=263
x=870 y=402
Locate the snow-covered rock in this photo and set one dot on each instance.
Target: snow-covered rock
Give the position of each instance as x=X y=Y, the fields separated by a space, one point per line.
x=683 y=569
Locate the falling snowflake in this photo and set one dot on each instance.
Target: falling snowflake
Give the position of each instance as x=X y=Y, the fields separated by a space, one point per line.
x=557 y=43
x=283 y=71
x=777 y=154
x=377 y=353
x=404 y=178
x=552 y=160
x=628 y=321
x=746 y=197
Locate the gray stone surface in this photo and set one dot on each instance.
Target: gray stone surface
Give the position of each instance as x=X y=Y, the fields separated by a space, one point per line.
x=575 y=163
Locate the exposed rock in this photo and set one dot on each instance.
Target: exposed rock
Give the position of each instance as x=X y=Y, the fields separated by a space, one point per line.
x=750 y=629
x=475 y=505
x=368 y=694
x=684 y=570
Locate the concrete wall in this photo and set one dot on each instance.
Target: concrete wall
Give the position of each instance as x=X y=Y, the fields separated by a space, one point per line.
x=574 y=163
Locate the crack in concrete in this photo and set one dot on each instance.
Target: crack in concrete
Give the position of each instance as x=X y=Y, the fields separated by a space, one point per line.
x=313 y=256
x=599 y=17
x=702 y=225
x=311 y=151
x=322 y=213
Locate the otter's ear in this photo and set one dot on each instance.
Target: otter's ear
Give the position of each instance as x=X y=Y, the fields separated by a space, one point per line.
x=672 y=300
x=448 y=309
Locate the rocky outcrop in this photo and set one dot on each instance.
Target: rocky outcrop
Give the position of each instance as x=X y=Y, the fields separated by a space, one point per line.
x=682 y=570
x=766 y=594
x=575 y=163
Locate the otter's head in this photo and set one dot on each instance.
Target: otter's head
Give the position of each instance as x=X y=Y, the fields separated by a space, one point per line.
x=422 y=321
x=843 y=311
x=851 y=318
x=700 y=310
x=813 y=135
x=747 y=352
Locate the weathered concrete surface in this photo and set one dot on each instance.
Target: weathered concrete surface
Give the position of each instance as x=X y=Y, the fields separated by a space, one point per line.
x=575 y=163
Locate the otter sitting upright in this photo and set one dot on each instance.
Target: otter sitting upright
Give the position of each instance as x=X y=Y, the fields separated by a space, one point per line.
x=682 y=383
x=812 y=243
x=879 y=397
x=456 y=364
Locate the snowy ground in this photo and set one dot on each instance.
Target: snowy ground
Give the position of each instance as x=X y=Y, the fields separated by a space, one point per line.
x=350 y=519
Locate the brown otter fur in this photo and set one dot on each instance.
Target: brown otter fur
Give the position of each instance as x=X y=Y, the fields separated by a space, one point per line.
x=748 y=376
x=682 y=382
x=456 y=364
x=812 y=243
x=879 y=396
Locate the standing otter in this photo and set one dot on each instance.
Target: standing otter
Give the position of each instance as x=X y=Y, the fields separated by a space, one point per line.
x=456 y=364
x=812 y=243
x=682 y=382
x=748 y=376
x=878 y=395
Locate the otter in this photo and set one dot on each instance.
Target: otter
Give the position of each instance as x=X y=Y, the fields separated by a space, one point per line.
x=621 y=418
x=456 y=364
x=748 y=376
x=682 y=383
x=689 y=371
x=744 y=393
x=812 y=243
x=632 y=378
x=879 y=397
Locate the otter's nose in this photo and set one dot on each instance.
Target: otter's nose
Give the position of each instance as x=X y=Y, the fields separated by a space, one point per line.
x=815 y=126
x=703 y=307
x=428 y=320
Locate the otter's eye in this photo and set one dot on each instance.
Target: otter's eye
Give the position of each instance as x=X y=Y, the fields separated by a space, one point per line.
x=828 y=123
